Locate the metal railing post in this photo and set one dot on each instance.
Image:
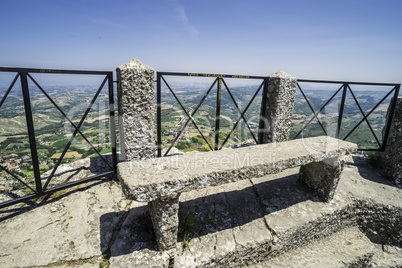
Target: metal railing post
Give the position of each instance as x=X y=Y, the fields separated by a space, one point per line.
x=261 y=127
x=218 y=113
x=31 y=130
x=338 y=128
x=112 y=121
x=158 y=114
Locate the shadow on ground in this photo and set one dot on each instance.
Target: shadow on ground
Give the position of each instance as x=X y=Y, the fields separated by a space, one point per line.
x=370 y=172
x=213 y=212
x=23 y=207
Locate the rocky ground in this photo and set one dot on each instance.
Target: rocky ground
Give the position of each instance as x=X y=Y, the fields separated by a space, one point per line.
x=273 y=221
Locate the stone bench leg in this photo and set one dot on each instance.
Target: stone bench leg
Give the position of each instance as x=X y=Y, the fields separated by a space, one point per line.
x=322 y=177
x=165 y=220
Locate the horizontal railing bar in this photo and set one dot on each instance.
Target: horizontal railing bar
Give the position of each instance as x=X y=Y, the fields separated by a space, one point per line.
x=74 y=183
x=54 y=189
x=263 y=77
x=343 y=82
x=370 y=150
x=53 y=71
x=211 y=75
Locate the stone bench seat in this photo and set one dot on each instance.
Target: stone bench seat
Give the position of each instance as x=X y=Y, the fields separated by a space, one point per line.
x=159 y=181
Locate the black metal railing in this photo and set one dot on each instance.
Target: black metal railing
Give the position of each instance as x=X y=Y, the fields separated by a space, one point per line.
x=40 y=188
x=218 y=82
x=42 y=185
x=344 y=88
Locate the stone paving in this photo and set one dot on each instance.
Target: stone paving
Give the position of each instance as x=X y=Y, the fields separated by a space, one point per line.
x=337 y=250
x=253 y=222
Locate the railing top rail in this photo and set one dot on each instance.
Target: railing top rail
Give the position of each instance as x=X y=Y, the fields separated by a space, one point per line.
x=212 y=75
x=263 y=77
x=345 y=82
x=54 y=71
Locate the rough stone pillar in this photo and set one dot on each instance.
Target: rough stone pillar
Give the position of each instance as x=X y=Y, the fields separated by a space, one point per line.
x=277 y=110
x=322 y=177
x=165 y=220
x=135 y=90
x=391 y=159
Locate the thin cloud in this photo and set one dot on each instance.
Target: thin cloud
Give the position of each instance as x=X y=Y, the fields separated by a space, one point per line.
x=183 y=19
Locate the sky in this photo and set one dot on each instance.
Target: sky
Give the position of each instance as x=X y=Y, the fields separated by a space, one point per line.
x=325 y=40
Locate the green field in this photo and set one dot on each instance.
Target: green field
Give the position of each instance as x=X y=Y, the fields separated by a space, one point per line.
x=53 y=131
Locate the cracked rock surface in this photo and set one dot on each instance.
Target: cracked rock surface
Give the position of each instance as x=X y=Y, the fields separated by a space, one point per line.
x=269 y=220
x=77 y=226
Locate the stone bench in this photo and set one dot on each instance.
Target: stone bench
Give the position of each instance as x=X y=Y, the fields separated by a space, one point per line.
x=160 y=181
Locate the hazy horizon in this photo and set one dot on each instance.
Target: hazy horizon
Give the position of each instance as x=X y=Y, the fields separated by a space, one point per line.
x=341 y=40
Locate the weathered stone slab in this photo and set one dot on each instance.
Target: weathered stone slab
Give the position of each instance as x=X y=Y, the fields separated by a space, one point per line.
x=322 y=177
x=166 y=181
x=136 y=232
x=296 y=218
x=387 y=256
x=151 y=179
x=226 y=229
x=84 y=265
x=142 y=258
x=227 y=247
x=294 y=214
x=336 y=250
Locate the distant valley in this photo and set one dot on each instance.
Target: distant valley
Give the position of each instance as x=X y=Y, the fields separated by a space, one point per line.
x=53 y=132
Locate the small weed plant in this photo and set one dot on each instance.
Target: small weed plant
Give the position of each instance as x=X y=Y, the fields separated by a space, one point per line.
x=171 y=263
x=186 y=226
